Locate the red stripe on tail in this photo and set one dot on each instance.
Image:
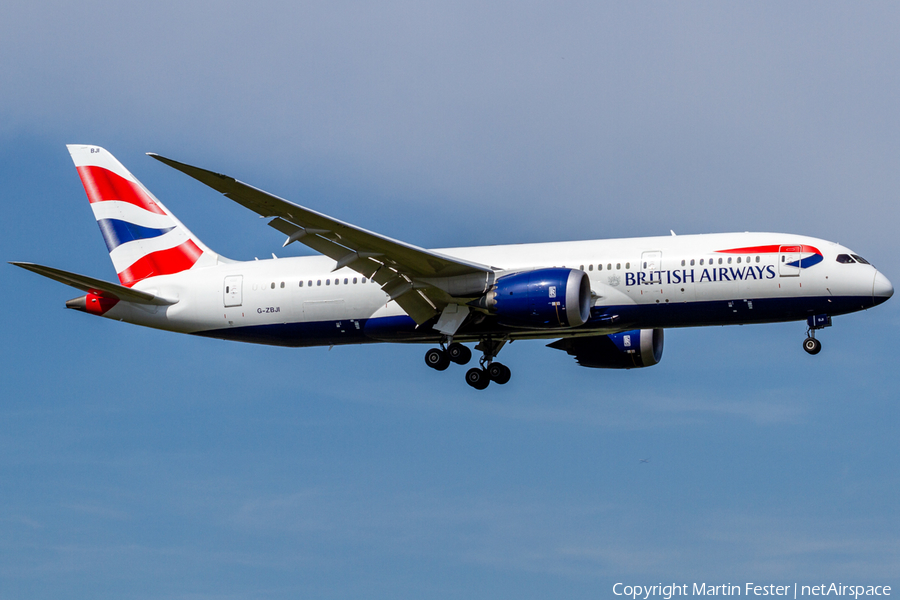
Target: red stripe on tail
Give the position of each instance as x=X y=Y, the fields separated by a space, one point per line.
x=102 y=185
x=164 y=262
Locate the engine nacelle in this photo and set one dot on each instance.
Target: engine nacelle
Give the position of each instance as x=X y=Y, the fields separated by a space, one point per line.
x=544 y=298
x=626 y=350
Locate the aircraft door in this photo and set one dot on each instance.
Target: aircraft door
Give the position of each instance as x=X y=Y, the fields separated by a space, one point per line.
x=650 y=263
x=232 y=290
x=789 y=261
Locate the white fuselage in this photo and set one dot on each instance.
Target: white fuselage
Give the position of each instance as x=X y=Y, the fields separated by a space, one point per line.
x=673 y=281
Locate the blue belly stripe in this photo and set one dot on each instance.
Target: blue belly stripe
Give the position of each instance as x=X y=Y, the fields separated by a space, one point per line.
x=627 y=317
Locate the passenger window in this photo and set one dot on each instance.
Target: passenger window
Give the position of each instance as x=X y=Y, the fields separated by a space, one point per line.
x=738 y=261
x=327 y=282
x=844 y=259
x=628 y=265
x=609 y=267
x=319 y=282
x=720 y=261
x=363 y=279
x=618 y=266
x=682 y=263
x=226 y=289
x=581 y=268
x=345 y=281
x=729 y=260
x=645 y=264
x=309 y=283
x=692 y=262
x=590 y=267
x=354 y=280
x=301 y=283
x=282 y=285
x=757 y=259
x=701 y=262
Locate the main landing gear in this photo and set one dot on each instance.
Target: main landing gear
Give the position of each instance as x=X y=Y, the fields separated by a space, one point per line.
x=439 y=358
x=478 y=377
x=811 y=344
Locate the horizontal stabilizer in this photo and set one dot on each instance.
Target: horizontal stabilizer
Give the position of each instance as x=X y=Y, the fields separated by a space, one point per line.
x=96 y=286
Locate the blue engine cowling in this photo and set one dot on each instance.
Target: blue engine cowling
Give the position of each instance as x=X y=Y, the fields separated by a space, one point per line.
x=544 y=298
x=626 y=350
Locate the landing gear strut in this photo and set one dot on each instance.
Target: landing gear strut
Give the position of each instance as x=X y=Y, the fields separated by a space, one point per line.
x=811 y=344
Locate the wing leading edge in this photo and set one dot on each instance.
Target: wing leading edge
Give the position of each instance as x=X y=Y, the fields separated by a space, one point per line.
x=421 y=281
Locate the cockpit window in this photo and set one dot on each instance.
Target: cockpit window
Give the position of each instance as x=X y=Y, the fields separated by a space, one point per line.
x=844 y=258
x=860 y=259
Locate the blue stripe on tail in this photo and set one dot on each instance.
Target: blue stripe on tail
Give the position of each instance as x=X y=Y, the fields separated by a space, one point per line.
x=116 y=232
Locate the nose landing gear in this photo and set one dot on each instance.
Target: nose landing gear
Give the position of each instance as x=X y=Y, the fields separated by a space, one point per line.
x=811 y=344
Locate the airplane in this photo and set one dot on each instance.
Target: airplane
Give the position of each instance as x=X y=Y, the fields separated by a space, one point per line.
x=604 y=302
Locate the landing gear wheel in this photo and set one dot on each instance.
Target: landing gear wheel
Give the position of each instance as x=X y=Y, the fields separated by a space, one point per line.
x=477 y=378
x=812 y=345
x=459 y=354
x=437 y=359
x=499 y=373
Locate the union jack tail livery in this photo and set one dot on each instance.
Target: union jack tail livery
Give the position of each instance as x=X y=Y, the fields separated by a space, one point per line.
x=144 y=239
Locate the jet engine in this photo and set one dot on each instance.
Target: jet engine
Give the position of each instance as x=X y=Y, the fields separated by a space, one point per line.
x=626 y=350
x=543 y=298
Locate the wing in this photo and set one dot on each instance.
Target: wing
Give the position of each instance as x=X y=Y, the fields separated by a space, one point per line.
x=422 y=282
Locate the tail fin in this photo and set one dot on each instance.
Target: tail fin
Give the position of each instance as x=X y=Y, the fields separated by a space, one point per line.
x=144 y=239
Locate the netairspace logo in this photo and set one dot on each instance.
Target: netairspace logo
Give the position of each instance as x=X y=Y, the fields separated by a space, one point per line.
x=795 y=590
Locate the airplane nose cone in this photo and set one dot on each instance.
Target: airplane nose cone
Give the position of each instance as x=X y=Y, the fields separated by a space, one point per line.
x=882 y=288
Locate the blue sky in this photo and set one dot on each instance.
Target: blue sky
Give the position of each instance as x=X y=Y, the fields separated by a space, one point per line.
x=143 y=464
